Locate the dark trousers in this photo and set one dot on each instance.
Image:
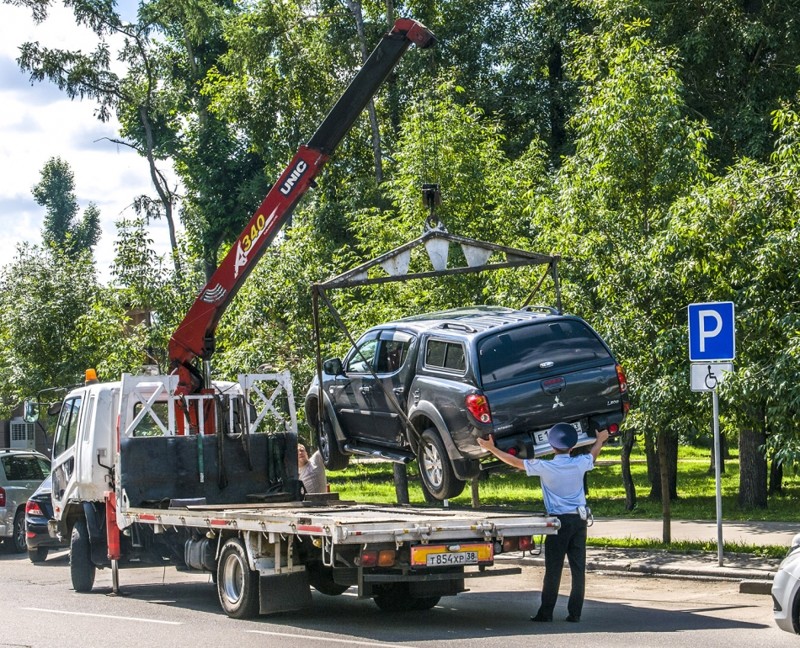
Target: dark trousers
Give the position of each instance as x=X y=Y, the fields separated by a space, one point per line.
x=570 y=542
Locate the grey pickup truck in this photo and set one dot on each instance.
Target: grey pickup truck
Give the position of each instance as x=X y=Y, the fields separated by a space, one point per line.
x=428 y=386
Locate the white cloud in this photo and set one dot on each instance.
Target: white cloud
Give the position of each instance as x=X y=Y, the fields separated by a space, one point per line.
x=39 y=122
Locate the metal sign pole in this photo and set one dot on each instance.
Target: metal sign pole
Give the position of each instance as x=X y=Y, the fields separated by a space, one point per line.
x=718 y=472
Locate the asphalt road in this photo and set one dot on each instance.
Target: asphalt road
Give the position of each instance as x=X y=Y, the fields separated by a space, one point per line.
x=163 y=607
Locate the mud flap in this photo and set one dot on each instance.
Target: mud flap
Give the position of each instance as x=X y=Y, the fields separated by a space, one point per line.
x=283 y=592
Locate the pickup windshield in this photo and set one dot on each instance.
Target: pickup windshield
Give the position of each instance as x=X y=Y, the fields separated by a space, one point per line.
x=539 y=349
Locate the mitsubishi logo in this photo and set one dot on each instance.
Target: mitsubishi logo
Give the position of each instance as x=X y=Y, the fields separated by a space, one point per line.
x=558 y=403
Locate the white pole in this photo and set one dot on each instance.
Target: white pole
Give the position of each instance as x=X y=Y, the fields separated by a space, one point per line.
x=717 y=471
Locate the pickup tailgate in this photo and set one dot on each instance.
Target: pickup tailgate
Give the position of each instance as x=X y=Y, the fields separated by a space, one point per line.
x=591 y=394
x=545 y=372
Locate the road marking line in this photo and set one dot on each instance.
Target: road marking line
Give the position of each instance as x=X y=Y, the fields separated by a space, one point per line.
x=329 y=639
x=102 y=616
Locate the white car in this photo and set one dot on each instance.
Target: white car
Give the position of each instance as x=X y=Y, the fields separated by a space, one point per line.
x=21 y=472
x=786 y=590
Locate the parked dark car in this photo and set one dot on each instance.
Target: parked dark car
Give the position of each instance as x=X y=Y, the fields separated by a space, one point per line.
x=38 y=511
x=21 y=471
x=427 y=386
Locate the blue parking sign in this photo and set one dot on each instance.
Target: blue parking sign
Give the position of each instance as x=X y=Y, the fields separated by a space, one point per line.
x=712 y=332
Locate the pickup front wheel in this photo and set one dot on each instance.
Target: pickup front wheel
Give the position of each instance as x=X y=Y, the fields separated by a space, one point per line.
x=332 y=457
x=435 y=468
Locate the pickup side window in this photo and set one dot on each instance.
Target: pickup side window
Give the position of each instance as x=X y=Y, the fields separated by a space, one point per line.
x=393 y=351
x=363 y=357
x=447 y=355
x=529 y=352
x=67 y=428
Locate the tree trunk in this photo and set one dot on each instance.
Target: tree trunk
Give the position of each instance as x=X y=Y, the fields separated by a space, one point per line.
x=401 y=482
x=752 y=469
x=666 y=511
x=775 y=477
x=723 y=450
x=628 y=438
x=654 y=463
x=355 y=9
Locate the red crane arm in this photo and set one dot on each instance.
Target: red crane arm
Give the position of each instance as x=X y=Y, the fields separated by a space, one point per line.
x=194 y=337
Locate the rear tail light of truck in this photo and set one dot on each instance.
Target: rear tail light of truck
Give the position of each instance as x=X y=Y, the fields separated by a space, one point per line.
x=33 y=508
x=516 y=543
x=478 y=406
x=2 y=496
x=376 y=558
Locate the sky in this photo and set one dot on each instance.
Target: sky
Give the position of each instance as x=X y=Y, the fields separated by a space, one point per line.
x=38 y=122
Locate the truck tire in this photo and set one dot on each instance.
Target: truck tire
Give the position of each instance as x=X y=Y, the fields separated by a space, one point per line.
x=393 y=597
x=81 y=568
x=38 y=555
x=425 y=603
x=18 y=544
x=435 y=469
x=237 y=584
x=332 y=457
x=321 y=579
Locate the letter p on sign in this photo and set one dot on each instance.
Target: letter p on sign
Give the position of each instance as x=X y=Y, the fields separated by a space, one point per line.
x=712 y=332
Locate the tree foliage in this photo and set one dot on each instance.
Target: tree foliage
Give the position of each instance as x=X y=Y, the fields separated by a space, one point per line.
x=653 y=145
x=62 y=227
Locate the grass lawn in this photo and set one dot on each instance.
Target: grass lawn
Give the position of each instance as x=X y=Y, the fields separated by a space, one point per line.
x=373 y=482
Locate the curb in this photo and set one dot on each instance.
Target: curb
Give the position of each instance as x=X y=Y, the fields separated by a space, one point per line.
x=755 y=579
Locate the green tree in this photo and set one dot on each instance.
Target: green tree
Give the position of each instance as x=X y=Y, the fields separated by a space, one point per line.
x=62 y=229
x=44 y=294
x=635 y=153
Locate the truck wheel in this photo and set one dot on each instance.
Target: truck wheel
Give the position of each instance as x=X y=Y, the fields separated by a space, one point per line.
x=321 y=579
x=237 y=584
x=332 y=457
x=81 y=567
x=425 y=603
x=435 y=467
x=393 y=597
x=19 y=545
x=38 y=555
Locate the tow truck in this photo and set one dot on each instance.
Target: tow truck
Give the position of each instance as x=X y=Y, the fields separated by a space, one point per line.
x=202 y=475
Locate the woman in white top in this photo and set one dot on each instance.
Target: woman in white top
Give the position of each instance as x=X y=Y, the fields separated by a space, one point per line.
x=312 y=470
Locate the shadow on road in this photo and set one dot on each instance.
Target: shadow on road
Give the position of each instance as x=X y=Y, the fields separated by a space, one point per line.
x=468 y=616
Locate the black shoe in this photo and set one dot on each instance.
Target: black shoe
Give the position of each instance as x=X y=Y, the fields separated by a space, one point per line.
x=573 y=619
x=541 y=618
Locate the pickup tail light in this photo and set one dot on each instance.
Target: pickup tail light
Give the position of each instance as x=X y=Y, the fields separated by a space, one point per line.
x=33 y=508
x=2 y=496
x=478 y=406
x=622 y=379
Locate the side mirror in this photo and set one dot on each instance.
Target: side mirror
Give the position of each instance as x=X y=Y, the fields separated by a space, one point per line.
x=333 y=367
x=30 y=411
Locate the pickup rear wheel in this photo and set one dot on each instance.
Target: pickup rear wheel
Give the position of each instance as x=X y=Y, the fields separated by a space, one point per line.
x=81 y=568
x=332 y=457
x=438 y=477
x=237 y=584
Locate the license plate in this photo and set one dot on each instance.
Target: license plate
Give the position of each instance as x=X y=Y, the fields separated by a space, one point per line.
x=447 y=555
x=541 y=437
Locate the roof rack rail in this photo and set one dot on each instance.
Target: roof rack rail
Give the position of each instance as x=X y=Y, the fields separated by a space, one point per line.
x=544 y=309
